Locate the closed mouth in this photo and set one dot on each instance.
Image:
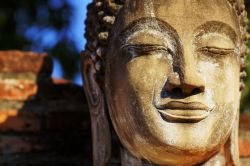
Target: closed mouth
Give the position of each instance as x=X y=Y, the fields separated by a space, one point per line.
x=176 y=111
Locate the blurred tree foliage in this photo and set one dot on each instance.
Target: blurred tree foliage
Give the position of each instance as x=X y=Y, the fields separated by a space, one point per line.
x=42 y=26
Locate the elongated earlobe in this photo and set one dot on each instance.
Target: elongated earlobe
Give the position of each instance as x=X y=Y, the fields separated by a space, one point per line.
x=101 y=137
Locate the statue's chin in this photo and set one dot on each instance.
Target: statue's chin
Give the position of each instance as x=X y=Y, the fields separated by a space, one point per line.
x=184 y=146
x=173 y=157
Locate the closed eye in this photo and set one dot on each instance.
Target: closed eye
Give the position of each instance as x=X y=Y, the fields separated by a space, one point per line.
x=216 y=50
x=146 y=48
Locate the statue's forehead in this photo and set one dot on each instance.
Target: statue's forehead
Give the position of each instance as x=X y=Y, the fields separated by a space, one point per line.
x=183 y=15
x=148 y=6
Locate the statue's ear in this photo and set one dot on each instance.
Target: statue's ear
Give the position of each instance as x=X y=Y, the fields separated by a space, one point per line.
x=231 y=148
x=91 y=87
x=101 y=137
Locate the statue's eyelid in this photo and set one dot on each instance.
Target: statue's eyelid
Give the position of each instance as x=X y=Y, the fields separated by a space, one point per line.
x=216 y=50
x=147 y=48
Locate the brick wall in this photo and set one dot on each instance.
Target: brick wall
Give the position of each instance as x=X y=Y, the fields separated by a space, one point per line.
x=44 y=121
x=244 y=139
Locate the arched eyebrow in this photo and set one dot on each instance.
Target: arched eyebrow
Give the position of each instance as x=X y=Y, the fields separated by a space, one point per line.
x=150 y=24
x=216 y=27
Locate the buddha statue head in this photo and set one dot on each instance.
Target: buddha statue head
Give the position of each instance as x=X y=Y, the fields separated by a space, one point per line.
x=169 y=75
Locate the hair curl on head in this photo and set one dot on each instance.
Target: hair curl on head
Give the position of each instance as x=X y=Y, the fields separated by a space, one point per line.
x=101 y=17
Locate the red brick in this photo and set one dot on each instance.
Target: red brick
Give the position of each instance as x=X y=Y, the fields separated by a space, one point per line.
x=244 y=121
x=244 y=146
x=244 y=135
x=11 y=89
x=19 y=62
x=59 y=81
x=16 y=121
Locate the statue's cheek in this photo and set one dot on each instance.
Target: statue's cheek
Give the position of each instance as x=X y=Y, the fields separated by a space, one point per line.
x=222 y=78
x=146 y=73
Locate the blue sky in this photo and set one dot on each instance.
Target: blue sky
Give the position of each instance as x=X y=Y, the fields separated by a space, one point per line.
x=76 y=31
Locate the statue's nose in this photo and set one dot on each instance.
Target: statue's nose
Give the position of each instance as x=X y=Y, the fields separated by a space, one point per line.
x=186 y=80
x=187 y=84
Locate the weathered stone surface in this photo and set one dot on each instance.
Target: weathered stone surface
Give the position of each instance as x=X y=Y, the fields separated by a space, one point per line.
x=244 y=136
x=244 y=145
x=51 y=125
x=20 y=62
x=39 y=115
x=245 y=121
x=13 y=89
x=192 y=85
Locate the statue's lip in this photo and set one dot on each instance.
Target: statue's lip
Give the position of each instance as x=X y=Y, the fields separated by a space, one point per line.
x=176 y=111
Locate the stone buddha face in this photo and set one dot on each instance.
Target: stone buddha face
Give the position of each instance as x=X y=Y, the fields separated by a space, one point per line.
x=172 y=78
